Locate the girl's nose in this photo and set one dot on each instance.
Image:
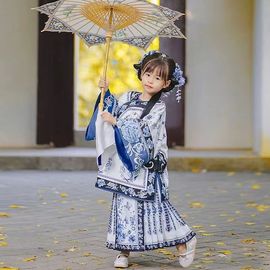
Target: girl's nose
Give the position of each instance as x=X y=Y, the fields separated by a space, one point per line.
x=150 y=80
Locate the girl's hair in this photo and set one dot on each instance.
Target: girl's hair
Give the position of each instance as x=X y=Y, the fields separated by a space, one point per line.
x=165 y=67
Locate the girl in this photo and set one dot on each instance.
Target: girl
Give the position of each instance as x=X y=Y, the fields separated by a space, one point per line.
x=132 y=160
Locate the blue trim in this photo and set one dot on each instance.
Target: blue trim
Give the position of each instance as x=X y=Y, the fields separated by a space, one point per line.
x=153 y=246
x=90 y=133
x=121 y=150
x=138 y=194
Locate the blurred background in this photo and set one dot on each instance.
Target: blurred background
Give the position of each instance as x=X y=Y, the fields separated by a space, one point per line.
x=48 y=81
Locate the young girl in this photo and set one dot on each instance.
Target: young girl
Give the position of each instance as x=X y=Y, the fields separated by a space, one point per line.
x=132 y=160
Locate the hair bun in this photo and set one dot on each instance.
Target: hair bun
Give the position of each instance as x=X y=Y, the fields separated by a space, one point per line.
x=137 y=66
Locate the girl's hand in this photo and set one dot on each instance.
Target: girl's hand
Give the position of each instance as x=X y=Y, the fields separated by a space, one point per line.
x=107 y=117
x=103 y=83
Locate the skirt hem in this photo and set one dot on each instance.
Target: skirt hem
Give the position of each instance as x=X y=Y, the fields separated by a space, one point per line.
x=152 y=246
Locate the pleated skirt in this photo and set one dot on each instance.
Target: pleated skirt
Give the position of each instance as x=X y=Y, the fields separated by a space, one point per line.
x=143 y=225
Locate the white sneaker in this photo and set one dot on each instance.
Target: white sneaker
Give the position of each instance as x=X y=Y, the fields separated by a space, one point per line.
x=121 y=261
x=186 y=259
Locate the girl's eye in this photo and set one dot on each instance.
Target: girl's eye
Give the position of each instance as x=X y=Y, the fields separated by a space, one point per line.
x=158 y=78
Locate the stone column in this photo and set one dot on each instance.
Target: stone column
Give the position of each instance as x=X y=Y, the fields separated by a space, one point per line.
x=261 y=81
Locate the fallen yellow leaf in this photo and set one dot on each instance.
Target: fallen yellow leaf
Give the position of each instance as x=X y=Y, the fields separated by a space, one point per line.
x=3 y=244
x=87 y=254
x=63 y=195
x=8 y=268
x=220 y=243
x=230 y=173
x=197 y=226
x=4 y=214
x=225 y=252
x=250 y=223
x=32 y=259
x=262 y=207
x=207 y=234
x=49 y=253
x=102 y=202
x=16 y=206
x=208 y=254
x=196 y=205
x=72 y=249
x=248 y=241
x=249 y=254
x=256 y=186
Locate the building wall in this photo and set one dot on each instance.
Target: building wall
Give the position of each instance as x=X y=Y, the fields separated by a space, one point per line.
x=18 y=73
x=262 y=78
x=219 y=109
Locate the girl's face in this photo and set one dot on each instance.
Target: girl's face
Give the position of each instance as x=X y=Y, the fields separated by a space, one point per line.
x=152 y=82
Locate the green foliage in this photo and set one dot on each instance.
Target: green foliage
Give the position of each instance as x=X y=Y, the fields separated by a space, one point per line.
x=122 y=76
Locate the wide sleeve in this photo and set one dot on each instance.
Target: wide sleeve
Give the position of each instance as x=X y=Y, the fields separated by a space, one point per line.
x=110 y=105
x=138 y=140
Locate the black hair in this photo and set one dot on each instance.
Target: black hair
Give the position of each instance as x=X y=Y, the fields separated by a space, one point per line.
x=164 y=64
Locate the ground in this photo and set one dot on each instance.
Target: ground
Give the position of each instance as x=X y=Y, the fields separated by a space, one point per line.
x=58 y=221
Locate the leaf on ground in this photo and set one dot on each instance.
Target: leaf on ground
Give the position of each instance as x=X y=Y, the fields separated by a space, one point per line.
x=250 y=223
x=87 y=254
x=63 y=195
x=220 y=243
x=249 y=254
x=8 y=268
x=230 y=173
x=225 y=252
x=197 y=226
x=32 y=259
x=196 y=205
x=3 y=244
x=262 y=207
x=256 y=186
x=248 y=241
x=102 y=202
x=207 y=234
x=165 y=252
x=71 y=249
x=208 y=254
x=50 y=253
x=206 y=261
x=4 y=214
x=14 y=206
x=213 y=225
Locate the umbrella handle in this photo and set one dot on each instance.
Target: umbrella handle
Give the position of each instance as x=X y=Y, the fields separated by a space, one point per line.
x=108 y=43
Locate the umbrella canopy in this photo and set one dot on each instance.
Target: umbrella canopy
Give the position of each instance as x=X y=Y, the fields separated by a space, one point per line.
x=136 y=22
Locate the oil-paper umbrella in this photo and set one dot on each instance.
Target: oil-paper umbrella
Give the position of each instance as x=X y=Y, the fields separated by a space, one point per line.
x=136 y=22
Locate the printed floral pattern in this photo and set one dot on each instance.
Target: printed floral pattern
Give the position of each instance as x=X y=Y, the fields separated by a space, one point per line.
x=138 y=226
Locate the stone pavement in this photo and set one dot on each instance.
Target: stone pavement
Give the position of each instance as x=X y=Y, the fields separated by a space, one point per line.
x=57 y=220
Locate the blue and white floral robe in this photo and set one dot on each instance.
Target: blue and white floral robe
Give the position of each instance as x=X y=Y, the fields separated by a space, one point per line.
x=141 y=218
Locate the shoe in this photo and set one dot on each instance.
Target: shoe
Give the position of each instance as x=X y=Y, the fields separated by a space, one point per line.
x=186 y=259
x=121 y=261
